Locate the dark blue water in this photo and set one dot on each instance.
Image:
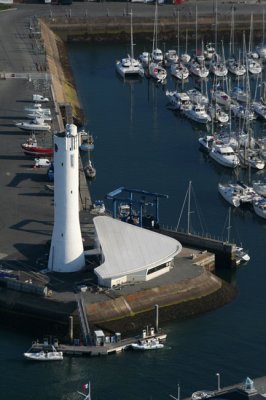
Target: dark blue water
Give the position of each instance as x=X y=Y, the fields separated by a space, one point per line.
x=139 y=143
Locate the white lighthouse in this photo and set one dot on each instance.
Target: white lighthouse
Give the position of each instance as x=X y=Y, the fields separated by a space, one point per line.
x=66 y=252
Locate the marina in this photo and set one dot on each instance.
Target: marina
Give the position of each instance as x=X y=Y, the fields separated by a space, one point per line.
x=184 y=339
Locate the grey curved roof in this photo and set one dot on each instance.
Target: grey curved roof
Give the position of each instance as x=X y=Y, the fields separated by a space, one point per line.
x=128 y=248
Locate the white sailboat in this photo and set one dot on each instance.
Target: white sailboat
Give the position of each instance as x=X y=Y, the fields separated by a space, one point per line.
x=185 y=57
x=129 y=66
x=156 y=70
x=178 y=69
x=236 y=193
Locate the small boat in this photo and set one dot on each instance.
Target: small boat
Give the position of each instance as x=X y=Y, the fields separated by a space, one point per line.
x=157 y=72
x=197 y=97
x=98 y=207
x=217 y=114
x=218 y=67
x=241 y=254
x=42 y=163
x=260 y=187
x=201 y=395
x=149 y=344
x=243 y=113
x=31 y=148
x=49 y=354
x=220 y=97
x=236 y=193
x=235 y=67
x=240 y=95
x=39 y=98
x=224 y=155
x=179 y=100
x=254 y=67
x=198 y=114
x=171 y=57
x=249 y=157
x=87 y=143
x=129 y=66
x=37 y=107
x=144 y=58
x=209 y=51
x=259 y=206
x=259 y=109
x=206 y=142
x=86 y=387
x=37 y=124
x=179 y=71
x=89 y=170
x=198 y=69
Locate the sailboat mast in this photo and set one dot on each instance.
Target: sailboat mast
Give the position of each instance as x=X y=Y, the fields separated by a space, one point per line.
x=229 y=225
x=196 y=30
x=131 y=35
x=188 y=208
x=178 y=44
x=216 y=26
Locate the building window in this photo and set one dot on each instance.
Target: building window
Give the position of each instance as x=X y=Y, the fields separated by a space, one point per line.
x=158 y=268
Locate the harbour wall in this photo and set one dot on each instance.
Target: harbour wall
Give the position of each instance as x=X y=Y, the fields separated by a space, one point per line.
x=117 y=28
x=177 y=301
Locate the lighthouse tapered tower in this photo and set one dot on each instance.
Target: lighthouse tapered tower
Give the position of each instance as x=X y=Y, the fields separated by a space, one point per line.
x=66 y=252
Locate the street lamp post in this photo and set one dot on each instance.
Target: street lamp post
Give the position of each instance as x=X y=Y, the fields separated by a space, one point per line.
x=218 y=382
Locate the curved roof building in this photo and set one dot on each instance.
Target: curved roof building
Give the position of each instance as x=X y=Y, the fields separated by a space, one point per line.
x=130 y=253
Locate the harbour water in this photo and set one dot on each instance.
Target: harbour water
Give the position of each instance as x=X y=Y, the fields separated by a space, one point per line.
x=139 y=143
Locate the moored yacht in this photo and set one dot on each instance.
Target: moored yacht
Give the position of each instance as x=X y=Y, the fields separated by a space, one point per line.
x=198 y=114
x=37 y=124
x=236 y=193
x=224 y=155
x=259 y=206
x=179 y=100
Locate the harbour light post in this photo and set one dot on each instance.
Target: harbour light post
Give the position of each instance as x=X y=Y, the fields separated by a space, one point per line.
x=218 y=381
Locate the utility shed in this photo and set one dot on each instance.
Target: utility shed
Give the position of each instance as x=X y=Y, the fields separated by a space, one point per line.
x=130 y=253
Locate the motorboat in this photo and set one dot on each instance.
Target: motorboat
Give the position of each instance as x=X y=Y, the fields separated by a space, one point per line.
x=171 y=57
x=31 y=148
x=37 y=124
x=38 y=98
x=147 y=344
x=237 y=193
x=250 y=157
x=259 y=206
x=39 y=114
x=157 y=72
x=87 y=143
x=129 y=66
x=197 y=97
x=37 y=107
x=241 y=254
x=201 y=395
x=206 y=142
x=179 y=100
x=260 y=187
x=198 y=114
x=42 y=163
x=89 y=170
x=224 y=155
x=98 y=207
x=179 y=71
x=49 y=354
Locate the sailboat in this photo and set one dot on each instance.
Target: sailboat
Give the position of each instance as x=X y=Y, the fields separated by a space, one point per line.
x=85 y=387
x=261 y=48
x=240 y=254
x=185 y=57
x=197 y=64
x=253 y=66
x=129 y=66
x=233 y=64
x=156 y=70
x=178 y=69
